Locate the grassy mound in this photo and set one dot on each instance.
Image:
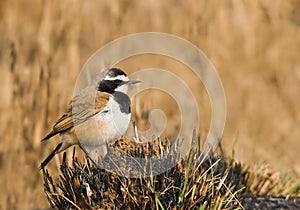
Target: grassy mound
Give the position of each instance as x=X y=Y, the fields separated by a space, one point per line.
x=217 y=183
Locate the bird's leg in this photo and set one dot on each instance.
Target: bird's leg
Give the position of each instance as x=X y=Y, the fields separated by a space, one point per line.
x=137 y=139
x=87 y=155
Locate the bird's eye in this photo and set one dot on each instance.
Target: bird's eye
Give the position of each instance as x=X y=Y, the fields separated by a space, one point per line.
x=118 y=81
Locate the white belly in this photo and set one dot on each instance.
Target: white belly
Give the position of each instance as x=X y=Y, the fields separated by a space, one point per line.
x=112 y=123
x=117 y=120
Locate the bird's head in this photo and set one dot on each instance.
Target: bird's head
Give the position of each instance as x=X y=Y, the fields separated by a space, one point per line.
x=115 y=80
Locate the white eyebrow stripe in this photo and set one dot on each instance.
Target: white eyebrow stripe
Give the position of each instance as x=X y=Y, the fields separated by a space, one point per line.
x=120 y=77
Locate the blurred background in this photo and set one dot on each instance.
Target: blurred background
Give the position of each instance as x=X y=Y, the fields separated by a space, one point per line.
x=254 y=45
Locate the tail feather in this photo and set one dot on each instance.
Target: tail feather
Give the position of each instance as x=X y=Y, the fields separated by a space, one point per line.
x=52 y=133
x=46 y=161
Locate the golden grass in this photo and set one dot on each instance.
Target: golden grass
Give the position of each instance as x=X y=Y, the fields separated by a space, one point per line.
x=43 y=45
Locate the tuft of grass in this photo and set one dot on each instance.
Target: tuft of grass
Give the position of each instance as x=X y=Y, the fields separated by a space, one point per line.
x=295 y=188
x=217 y=183
x=187 y=172
x=186 y=185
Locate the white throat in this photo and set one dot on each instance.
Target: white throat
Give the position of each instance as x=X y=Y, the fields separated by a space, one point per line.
x=122 y=88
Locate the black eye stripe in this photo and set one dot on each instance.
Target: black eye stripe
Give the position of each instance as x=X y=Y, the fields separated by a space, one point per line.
x=118 y=81
x=107 y=86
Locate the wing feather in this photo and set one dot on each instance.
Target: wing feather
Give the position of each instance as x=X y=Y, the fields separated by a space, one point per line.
x=81 y=108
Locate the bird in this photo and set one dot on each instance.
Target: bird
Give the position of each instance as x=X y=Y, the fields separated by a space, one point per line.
x=98 y=114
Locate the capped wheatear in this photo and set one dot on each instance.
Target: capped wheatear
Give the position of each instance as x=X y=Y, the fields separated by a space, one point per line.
x=95 y=116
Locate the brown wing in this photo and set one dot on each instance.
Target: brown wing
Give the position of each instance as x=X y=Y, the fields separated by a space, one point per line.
x=82 y=107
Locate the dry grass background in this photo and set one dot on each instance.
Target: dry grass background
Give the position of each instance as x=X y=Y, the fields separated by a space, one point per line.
x=255 y=46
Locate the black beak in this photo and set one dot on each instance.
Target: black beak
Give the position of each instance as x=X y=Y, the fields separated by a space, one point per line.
x=131 y=82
